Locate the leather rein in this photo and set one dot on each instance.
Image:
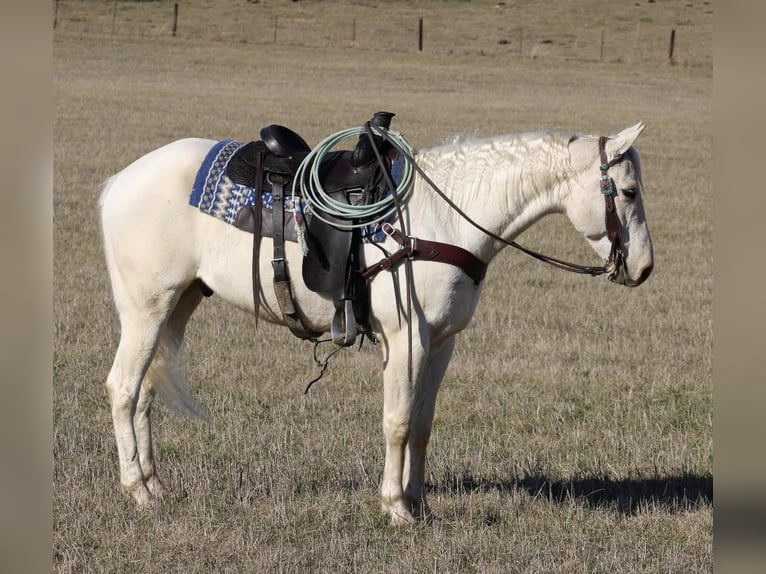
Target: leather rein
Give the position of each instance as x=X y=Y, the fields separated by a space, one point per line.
x=414 y=248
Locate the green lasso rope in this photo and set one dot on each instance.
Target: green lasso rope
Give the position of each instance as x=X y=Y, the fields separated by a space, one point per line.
x=307 y=177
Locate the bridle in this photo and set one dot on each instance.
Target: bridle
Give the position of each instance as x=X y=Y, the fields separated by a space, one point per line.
x=613 y=227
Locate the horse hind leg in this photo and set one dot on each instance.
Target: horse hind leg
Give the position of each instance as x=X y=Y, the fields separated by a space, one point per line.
x=166 y=375
x=138 y=342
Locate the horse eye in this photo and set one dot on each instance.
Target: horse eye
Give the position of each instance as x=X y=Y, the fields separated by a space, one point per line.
x=630 y=192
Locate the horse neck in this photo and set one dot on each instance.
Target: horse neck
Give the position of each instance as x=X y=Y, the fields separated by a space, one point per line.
x=503 y=184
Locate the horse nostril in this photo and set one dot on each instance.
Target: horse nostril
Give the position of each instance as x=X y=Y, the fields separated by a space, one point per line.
x=645 y=273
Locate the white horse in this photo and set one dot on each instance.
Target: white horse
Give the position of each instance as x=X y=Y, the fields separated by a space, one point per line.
x=159 y=249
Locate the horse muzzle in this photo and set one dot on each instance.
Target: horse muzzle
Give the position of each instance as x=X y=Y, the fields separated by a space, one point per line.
x=617 y=273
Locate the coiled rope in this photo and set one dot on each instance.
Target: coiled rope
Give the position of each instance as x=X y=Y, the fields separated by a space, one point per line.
x=352 y=216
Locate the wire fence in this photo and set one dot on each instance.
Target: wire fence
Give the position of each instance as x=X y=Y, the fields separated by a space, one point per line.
x=490 y=29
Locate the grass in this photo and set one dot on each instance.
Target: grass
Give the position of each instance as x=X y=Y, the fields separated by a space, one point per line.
x=573 y=432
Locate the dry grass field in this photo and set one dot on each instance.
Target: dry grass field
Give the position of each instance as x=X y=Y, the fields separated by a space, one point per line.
x=573 y=431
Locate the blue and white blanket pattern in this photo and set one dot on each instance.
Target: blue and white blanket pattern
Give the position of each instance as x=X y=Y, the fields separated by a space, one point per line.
x=216 y=194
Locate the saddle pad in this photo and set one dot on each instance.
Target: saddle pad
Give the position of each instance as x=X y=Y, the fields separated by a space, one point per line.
x=214 y=193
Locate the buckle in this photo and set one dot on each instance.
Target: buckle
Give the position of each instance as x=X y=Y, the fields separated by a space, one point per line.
x=607 y=186
x=413 y=243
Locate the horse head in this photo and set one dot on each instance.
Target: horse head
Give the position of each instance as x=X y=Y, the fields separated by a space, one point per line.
x=591 y=195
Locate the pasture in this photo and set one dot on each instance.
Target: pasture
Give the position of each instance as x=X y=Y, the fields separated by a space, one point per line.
x=573 y=431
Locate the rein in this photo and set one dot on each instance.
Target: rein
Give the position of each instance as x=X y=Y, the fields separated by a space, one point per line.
x=612 y=221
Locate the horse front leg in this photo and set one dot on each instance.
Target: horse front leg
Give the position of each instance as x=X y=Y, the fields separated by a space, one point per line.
x=399 y=393
x=420 y=428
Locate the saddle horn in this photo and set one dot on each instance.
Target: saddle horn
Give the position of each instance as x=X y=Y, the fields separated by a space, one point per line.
x=363 y=153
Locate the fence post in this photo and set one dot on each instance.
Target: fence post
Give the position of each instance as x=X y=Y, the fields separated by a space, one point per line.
x=175 y=19
x=603 y=37
x=672 y=45
x=521 y=41
x=420 y=35
x=276 y=25
x=353 y=32
x=114 y=16
x=56 y=15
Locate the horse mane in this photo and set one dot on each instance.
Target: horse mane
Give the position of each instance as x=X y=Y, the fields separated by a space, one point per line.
x=522 y=164
x=493 y=151
x=475 y=138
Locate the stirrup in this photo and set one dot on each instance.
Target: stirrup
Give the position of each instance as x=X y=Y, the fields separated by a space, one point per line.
x=343 y=327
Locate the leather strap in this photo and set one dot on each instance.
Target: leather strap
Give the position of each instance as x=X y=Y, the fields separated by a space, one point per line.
x=278 y=231
x=257 y=220
x=282 y=287
x=425 y=250
x=613 y=226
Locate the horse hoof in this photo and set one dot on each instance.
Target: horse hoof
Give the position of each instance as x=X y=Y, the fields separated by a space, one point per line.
x=140 y=494
x=145 y=493
x=400 y=514
x=400 y=519
x=155 y=487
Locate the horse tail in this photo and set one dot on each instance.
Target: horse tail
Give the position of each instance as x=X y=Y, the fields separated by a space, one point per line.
x=105 y=191
x=167 y=376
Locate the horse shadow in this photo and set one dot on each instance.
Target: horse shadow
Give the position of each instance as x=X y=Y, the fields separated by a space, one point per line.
x=628 y=496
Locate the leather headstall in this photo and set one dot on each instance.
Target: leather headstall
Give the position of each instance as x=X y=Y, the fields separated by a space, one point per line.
x=613 y=226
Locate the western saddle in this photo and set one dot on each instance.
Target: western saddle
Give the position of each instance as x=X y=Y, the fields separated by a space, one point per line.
x=331 y=265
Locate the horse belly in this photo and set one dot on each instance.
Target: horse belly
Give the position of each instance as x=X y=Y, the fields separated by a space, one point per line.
x=226 y=255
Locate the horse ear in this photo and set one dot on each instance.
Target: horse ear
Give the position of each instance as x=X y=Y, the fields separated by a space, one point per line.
x=618 y=144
